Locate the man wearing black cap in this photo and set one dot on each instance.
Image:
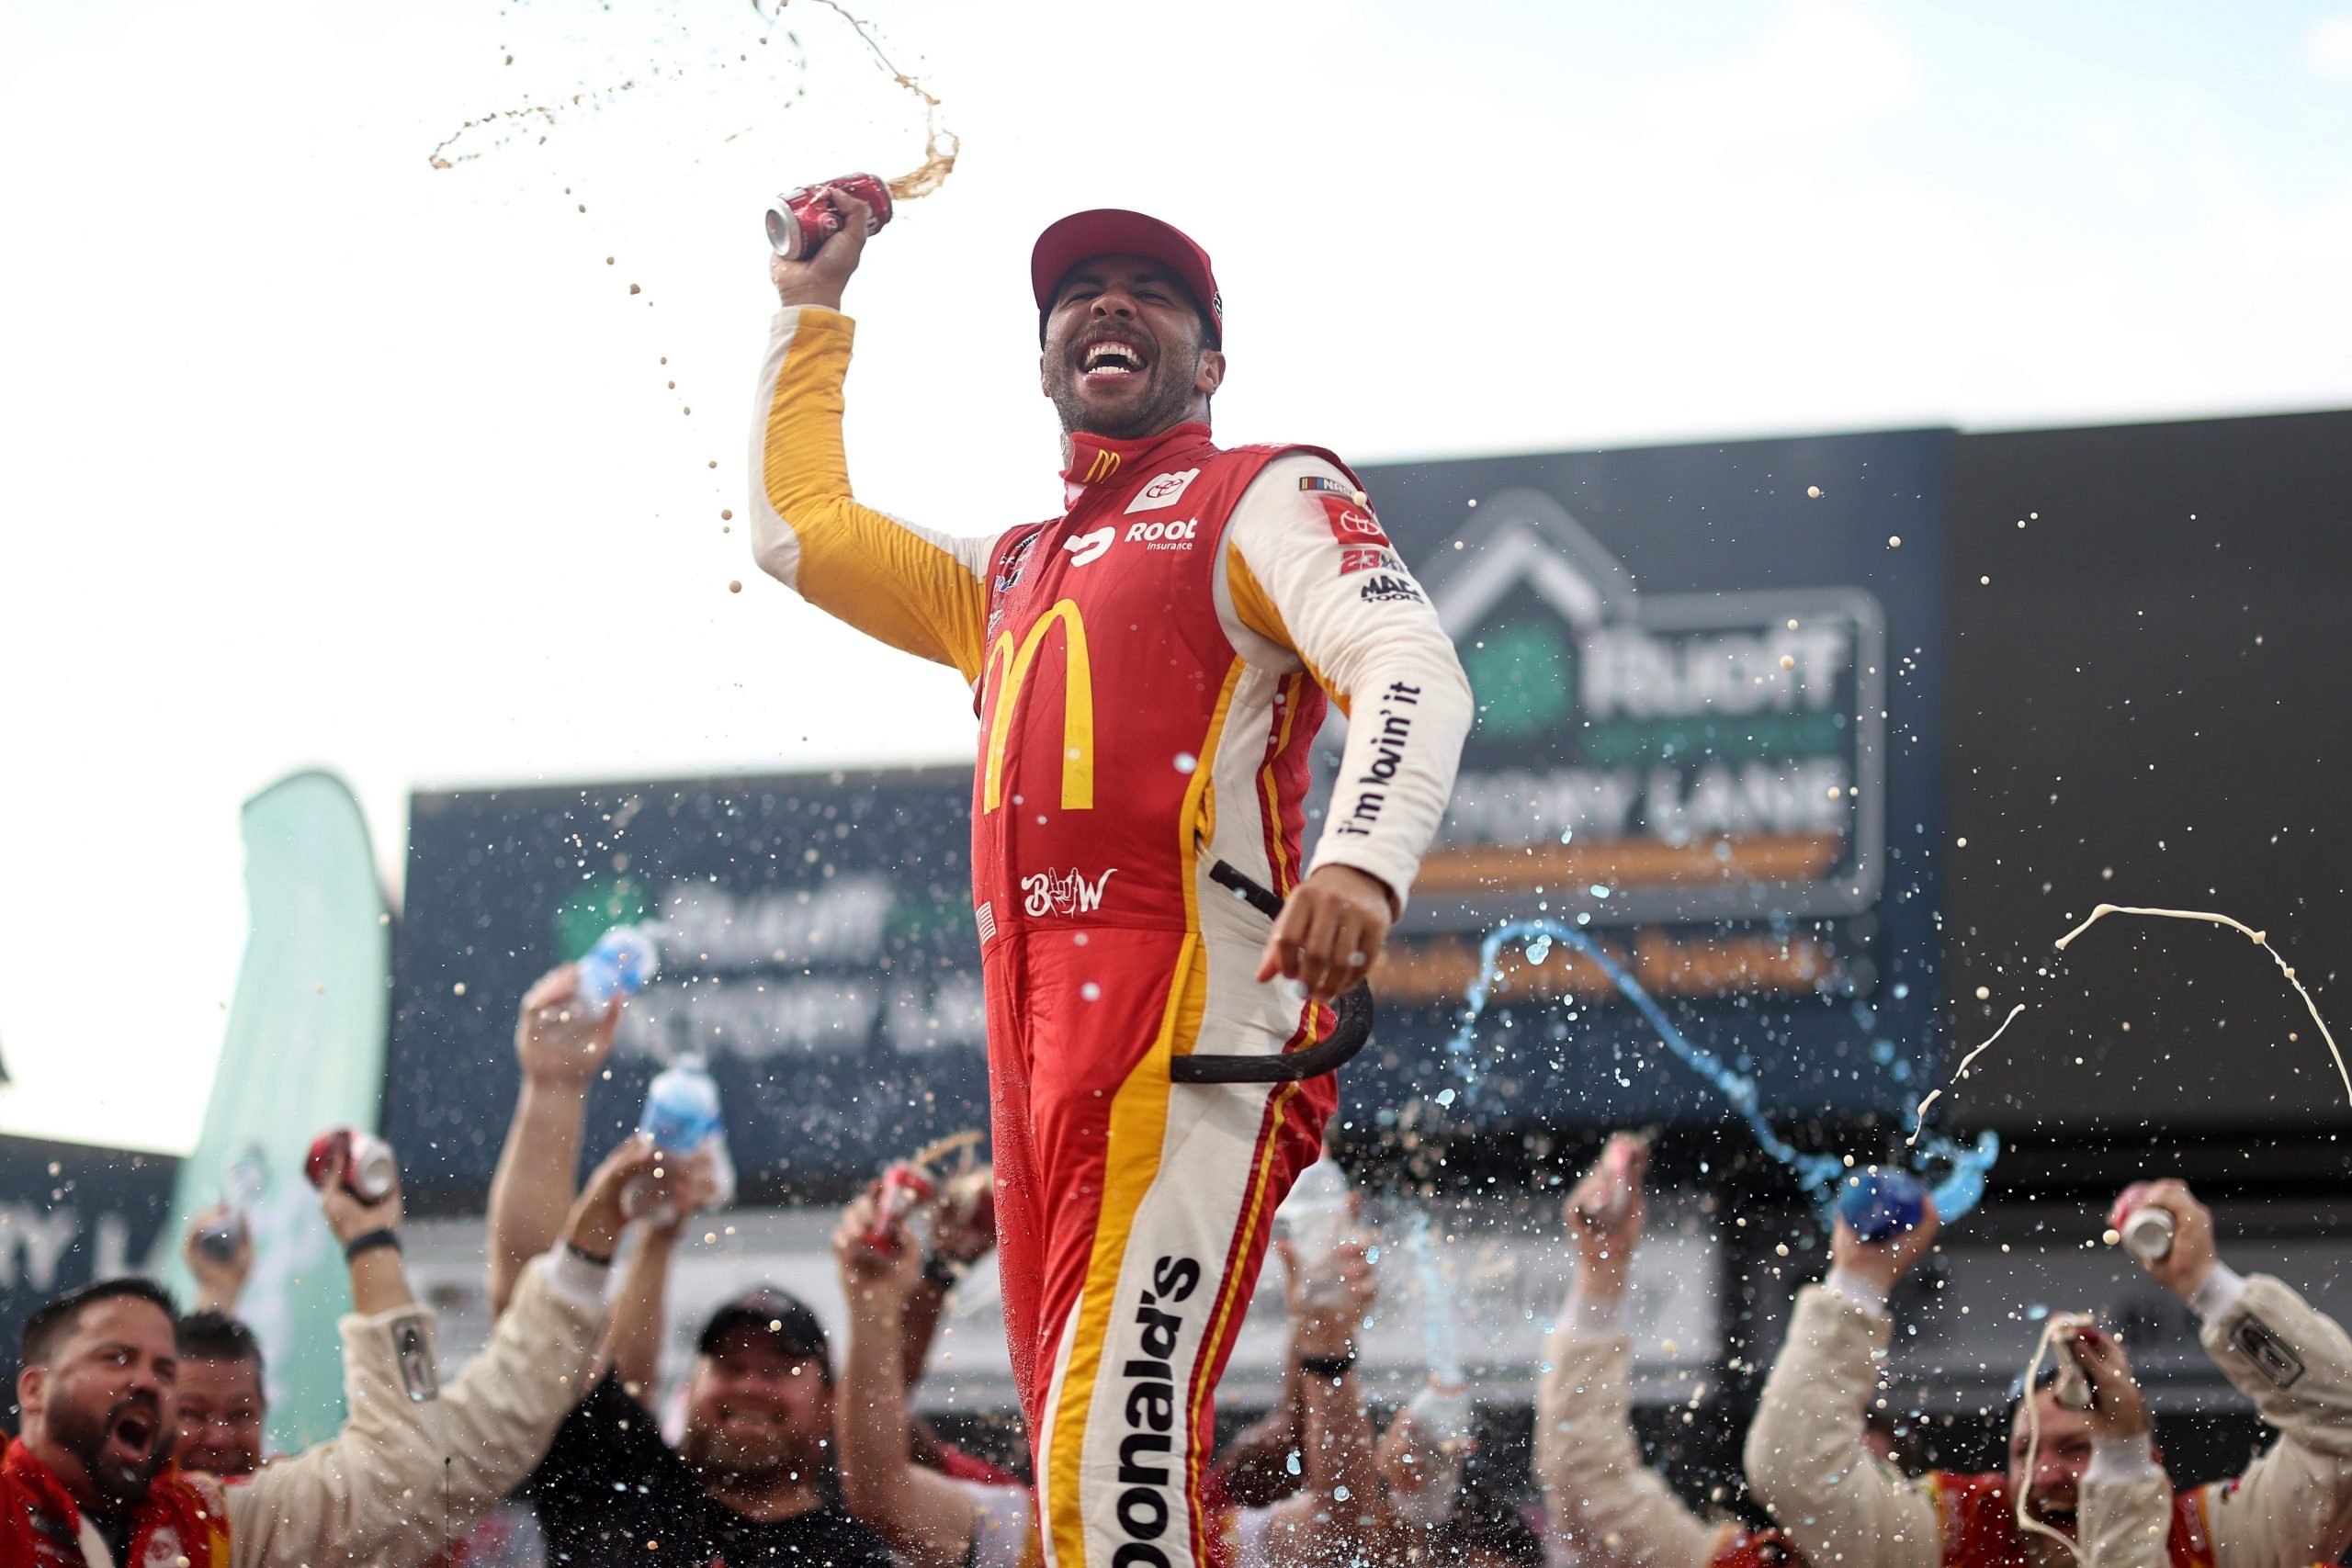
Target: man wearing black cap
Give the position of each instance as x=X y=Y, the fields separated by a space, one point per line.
x=1150 y=670
x=751 y=1480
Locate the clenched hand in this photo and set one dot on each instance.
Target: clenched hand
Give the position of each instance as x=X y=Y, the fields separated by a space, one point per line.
x=1330 y=931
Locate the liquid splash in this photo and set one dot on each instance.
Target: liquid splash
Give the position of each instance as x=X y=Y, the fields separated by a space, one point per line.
x=2260 y=940
x=941 y=146
x=1965 y=1164
x=1919 y=1115
x=1440 y=1328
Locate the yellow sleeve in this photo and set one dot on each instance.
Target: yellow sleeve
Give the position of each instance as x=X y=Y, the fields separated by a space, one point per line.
x=914 y=588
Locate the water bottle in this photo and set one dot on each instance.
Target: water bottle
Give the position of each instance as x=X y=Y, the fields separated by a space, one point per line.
x=1441 y=1417
x=240 y=1189
x=1442 y=1414
x=621 y=964
x=1879 y=1203
x=1315 y=1218
x=681 y=1118
x=680 y=1107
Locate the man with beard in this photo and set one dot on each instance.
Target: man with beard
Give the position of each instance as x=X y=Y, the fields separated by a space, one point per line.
x=2090 y=1476
x=1150 y=670
x=750 y=1481
x=410 y=1468
x=86 y=1481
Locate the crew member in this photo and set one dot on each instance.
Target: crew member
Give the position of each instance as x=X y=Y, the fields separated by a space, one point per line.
x=1149 y=669
x=2088 y=1476
x=92 y=1484
x=1602 y=1504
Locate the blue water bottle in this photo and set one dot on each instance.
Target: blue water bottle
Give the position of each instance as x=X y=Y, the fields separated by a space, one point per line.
x=1879 y=1203
x=620 y=964
x=680 y=1107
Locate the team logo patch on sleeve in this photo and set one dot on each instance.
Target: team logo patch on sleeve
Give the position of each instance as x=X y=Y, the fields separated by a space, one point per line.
x=1351 y=523
x=1335 y=486
x=1370 y=559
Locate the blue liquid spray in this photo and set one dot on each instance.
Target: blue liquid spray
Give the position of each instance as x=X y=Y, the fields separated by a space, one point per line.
x=1822 y=1175
x=1441 y=1331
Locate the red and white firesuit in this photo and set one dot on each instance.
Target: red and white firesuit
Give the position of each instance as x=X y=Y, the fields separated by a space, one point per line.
x=1150 y=669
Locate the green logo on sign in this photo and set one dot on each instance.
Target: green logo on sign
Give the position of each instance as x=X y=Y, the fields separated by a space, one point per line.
x=1524 y=674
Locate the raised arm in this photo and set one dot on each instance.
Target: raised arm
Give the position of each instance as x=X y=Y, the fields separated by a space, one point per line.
x=1805 y=1457
x=2293 y=1504
x=962 y=1231
x=641 y=1305
x=561 y=1046
x=928 y=1519
x=1336 y=1514
x=417 y=1463
x=1309 y=580
x=2125 y=1511
x=914 y=588
x=1600 y=1499
x=219 y=1275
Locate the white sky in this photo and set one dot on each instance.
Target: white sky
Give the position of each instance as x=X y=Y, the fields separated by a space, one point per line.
x=311 y=454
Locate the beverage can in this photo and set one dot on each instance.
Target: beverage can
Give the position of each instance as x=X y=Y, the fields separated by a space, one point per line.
x=2148 y=1233
x=1879 y=1203
x=800 y=221
x=904 y=1185
x=369 y=1169
x=2073 y=1386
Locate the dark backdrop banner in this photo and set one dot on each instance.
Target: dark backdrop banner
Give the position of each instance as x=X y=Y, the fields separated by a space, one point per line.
x=1710 y=687
x=2149 y=645
x=1709 y=681
x=71 y=1213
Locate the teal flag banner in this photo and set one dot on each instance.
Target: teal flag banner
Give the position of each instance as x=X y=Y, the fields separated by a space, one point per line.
x=304 y=1052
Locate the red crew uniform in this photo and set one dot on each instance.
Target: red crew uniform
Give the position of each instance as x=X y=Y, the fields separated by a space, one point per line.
x=1150 y=670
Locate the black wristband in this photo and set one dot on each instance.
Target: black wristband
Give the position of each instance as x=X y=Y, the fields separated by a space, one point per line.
x=370 y=1242
x=603 y=1261
x=1331 y=1369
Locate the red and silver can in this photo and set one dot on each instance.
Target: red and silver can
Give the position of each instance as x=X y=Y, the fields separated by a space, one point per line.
x=800 y=221
x=369 y=1167
x=904 y=1185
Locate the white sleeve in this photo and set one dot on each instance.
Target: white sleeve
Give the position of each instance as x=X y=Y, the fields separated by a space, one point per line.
x=1000 y=1518
x=1309 y=578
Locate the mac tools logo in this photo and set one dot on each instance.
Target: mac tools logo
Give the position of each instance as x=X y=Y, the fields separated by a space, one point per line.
x=1656 y=758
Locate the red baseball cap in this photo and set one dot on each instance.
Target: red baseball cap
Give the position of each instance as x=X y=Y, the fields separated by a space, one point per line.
x=1113 y=232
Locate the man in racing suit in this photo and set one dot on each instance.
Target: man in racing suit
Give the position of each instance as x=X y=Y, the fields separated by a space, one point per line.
x=1149 y=671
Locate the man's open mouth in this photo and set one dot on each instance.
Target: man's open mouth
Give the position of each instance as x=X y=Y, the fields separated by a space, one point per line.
x=135 y=1430
x=1112 y=358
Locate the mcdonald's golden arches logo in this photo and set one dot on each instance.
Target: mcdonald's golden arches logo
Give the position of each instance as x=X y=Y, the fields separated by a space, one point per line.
x=1008 y=670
